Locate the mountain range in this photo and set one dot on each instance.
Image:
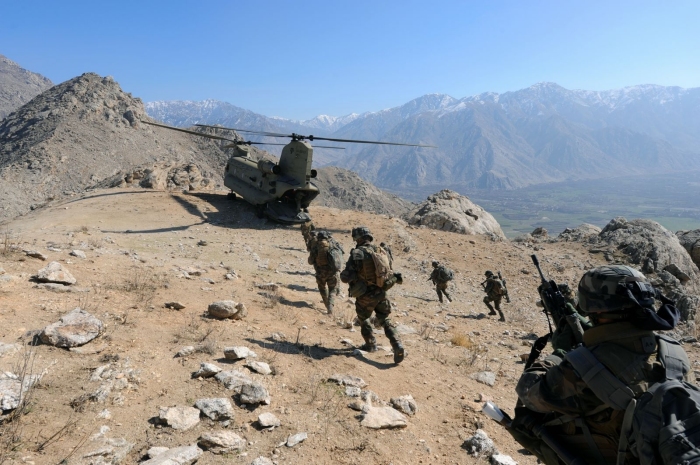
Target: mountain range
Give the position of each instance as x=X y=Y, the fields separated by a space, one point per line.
x=18 y=86
x=543 y=133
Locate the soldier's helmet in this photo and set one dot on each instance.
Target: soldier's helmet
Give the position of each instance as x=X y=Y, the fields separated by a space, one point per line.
x=323 y=235
x=435 y=264
x=361 y=232
x=488 y=274
x=614 y=289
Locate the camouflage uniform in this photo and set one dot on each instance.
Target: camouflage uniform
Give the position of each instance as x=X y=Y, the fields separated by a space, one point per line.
x=568 y=332
x=440 y=285
x=306 y=229
x=369 y=297
x=552 y=393
x=492 y=295
x=326 y=277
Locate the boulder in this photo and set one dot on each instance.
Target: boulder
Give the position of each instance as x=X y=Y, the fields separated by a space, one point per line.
x=78 y=254
x=405 y=404
x=179 y=418
x=581 y=233
x=12 y=388
x=450 y=211
x=54 y=273
x=206 y=370
x=218 y=409
x=690 y=240
x=268 y=420
x=480 y=444
x=238 y=353
x=221 y=442
x=259 y=367
x=382 y=418
x=254 y=393
x=185 y=455
x=486 y=377
x=233 y=379
x=74 y=329
x=226 y=309
x=112 y=451
x=295 y=439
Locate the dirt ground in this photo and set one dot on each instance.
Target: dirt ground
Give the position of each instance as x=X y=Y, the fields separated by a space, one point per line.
x=138 y=242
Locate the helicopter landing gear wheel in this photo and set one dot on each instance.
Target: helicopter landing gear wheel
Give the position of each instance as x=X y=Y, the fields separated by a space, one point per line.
x=260 y=210
x=231 y=196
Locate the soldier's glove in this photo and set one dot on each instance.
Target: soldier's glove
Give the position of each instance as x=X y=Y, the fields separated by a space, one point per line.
x=399 y=278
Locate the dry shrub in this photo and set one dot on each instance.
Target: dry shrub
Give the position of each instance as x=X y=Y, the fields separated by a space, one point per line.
x=11 y=425
x=10 y=244
x=462 y=340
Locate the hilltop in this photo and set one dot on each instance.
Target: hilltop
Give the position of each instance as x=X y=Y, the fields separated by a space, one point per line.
x=18 y=86
x=145 y=248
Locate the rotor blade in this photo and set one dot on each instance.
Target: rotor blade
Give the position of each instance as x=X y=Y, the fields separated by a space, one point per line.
x=248 y=142
x=270 y=134
x=312 y=138
x=328 y=147
x=209 y=136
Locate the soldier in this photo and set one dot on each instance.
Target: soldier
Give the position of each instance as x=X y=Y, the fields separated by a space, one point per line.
x=327 y=269
x=312 y=240
x=368 y=272
x=571 y=325
x=494 y=293
x=580 y=402
x=306 y=229
x=440 y=276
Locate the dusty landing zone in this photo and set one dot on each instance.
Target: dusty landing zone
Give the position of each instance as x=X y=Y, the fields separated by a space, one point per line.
x=144 y=248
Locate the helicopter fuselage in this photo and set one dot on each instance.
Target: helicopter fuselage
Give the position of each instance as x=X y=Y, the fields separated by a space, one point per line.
x=281 y=191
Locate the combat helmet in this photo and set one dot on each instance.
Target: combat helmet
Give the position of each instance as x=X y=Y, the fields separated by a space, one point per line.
x=614 y=289
x=360 y=232
x=488 y=273
x=323 y=235
x=435 y=264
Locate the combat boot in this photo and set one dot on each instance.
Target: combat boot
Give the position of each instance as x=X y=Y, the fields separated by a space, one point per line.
x=370 y=345
x=448 y=296
x=439 y=296
x=502 y=318
x=399 y=352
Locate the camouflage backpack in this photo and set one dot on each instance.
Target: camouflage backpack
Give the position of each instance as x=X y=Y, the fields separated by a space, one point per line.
x=322 y=248
x=497 y=287
x=335 y=255
x=376 y=265
x=445 y=274
x=660 y=427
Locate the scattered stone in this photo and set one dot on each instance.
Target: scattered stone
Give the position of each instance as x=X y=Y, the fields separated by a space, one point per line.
x=185 y=351
x=54 y=287
x=238 y=353
x=486 y=377
x=110 y=451
x=73 y=329
x=206 y=370
x=153 y=451
x=352 y=391
x=347 y=380
x=54 y=273
x=174 y=305
x=218 y=409
x=405 y=404
x=12 y=389
x=221 y=442
x=78 y=253
x=259 y=367
x=581 y=233
x=677 y=273
x=268 y=286
x=502 y=459
x=295 y=439
x=278 y=337
x=357 y=405
x=35 y=254
x=480 y=444
x=184 y=455
x=254 y=393
x=179 y=418
x=9 y=349
x=268 y=420
x=227 y=309
x=202 y=243
x=233 y=380
x=382 y=418
x=262 y=461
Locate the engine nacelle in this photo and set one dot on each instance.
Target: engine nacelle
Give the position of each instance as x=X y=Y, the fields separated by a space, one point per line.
x=269 y=167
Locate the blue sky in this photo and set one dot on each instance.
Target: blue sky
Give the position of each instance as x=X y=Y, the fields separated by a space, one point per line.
x=298 y=59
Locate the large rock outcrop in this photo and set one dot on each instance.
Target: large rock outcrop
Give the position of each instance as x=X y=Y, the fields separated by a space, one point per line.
x=690 y=240
x=449 y=211
x=658 y=253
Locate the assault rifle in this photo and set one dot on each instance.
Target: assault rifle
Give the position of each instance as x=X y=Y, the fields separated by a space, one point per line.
x=505 y=288
x=554 y=304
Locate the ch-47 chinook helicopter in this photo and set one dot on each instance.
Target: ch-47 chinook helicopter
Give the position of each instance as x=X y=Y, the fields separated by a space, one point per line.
x=281 y=191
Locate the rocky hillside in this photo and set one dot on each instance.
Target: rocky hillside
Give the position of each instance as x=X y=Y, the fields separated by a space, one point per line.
x=18 y=86
x=86 y=133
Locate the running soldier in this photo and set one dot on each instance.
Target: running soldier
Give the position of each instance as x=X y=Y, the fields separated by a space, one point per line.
x=494 y=293
x=326 y=256
x=440 y=276
x=369 y=274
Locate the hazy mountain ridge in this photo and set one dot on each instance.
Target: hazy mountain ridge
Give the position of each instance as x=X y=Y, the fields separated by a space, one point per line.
x=18 y=86
x=543 y=133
